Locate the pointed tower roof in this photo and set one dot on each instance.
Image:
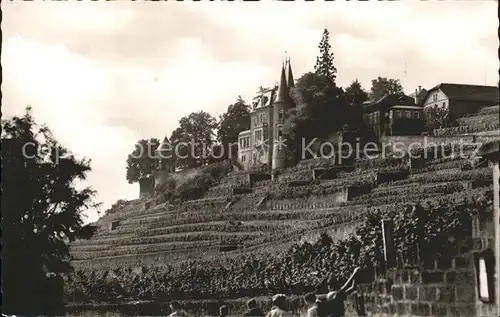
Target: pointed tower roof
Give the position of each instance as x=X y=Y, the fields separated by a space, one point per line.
x=282 y=88
x=164 y=145
x=289 y=79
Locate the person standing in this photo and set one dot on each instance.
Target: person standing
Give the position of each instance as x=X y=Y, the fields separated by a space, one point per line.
x=333 y=304
x=280 y=307
x=177 y=310
x=312 y=305
x=253 y=309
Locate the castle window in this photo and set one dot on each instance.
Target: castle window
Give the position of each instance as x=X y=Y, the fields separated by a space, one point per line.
x=435 y=97
x=262 y=118
x=245 y=142
x=407 y=114
x=279 y=131
x=258 y=136
x=255 y=122
x=280 y=114
x=416 y=115
x=265 y=99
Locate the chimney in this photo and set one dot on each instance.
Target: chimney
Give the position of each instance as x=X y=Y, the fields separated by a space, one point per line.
x=419 y=89
x=416 y=96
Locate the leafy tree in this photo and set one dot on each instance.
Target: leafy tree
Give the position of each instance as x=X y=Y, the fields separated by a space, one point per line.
x=231 y=123
x=438 y=117
x=193 y=140
x=324 y=62
x=384 y=85
x=321 y=110
x=141 y=162
x=42 y=213
x=355 y=94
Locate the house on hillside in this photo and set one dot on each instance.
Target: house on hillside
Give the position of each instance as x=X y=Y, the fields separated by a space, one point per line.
x=461 y=99
x=395 y=114
x=261 y=144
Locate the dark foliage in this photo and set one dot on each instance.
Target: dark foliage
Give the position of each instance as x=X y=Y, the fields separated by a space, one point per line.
x=231 y=123
x=142 y=162
x=193 y=140
x=384 y=85
x=41 y=214
x=321 y=111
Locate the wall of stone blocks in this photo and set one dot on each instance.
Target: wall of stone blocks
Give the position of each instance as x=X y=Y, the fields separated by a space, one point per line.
x=439 y=287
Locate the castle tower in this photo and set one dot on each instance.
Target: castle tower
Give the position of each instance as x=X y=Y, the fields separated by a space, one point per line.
x=280 y=107
x=164 y=154
x=165 y=163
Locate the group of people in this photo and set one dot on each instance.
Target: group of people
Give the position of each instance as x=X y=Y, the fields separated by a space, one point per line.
x=330 y=304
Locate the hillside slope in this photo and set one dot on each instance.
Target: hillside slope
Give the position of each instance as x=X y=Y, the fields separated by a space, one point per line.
x=241 y=215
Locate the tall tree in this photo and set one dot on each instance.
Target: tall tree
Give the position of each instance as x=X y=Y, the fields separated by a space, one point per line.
x=194 y=139
x=384 y=85
x=142 y=161
x=231 y=123
x=324 y=62
x=41 y=213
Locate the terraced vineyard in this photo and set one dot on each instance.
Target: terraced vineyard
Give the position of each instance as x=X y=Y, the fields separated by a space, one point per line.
x=287 y=214
x=485 y=122
x=270 y=213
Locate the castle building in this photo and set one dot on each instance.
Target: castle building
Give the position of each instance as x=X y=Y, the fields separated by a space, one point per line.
x=165 y=163
x=263 y=144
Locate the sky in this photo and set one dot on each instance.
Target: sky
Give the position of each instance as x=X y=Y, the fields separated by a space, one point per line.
x=102 y=75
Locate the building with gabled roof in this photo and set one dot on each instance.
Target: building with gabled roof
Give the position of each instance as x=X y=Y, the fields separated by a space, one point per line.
x=394 y=114
x=461 y=99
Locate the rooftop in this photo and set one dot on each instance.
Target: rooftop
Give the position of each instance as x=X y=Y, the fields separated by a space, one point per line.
x=488 y=94
x=391 y=100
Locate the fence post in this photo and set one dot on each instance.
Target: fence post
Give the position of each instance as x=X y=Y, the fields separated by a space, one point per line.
x=387 y=232
x=491 y=151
